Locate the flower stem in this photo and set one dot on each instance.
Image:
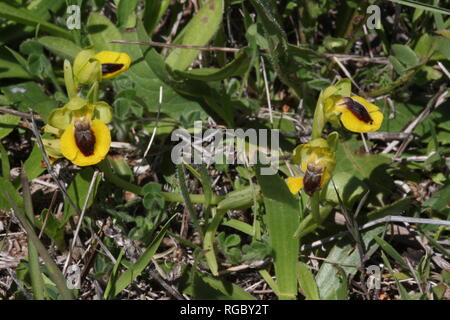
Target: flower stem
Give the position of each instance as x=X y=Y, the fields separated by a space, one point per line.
x=169 y=196
x=315 y=206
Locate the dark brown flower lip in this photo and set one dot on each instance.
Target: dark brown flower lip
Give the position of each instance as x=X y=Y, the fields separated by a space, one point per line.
x=312 y=178
x=84 y=137
x=111 y=67
x=357 y=109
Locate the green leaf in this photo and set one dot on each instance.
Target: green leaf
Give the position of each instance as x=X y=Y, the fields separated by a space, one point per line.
x=238 y=225
x=239 y=199
x=153 y=12
x=235 y=68
x=328 y=279
x=53 y=228
x=6 y=167
x=396 y=208
x=405 y=54
x=26 y=17
x=62 y=47
x=101 y=32
x=33 y=165
x=208 y=241
x=29 y=95
x=306 y=282
x=126 y=13
x=10 y=68
x=113 y=275
x=7 y=124
x=148 y=72
x=391 y=251
x=421 y=5
x=440 y=199
x=198 y=32
x=205 y=287
x=8 y=189
x=282 y=216
x=135 y=270
x=78 y=190
x=403 y=293
x=355 y=171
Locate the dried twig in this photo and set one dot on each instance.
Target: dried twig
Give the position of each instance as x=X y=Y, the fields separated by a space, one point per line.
x=61 y=187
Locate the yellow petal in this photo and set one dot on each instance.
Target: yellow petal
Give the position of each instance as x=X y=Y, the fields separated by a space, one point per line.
x=294 y=184
x=113 y=63
x=352 y=123
x=70 y=150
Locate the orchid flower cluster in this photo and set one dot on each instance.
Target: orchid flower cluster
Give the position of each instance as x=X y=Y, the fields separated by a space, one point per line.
x=317 y=158
x=79 y=128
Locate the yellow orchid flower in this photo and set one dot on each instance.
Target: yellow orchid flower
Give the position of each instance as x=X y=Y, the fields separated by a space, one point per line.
x=90 y=67
x=85 y=142
x=113 y=63
x=317 y=162
x=358 y=115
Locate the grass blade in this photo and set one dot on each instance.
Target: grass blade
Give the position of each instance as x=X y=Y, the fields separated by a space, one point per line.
x=55 y=274
x=37 y=281
x=423 y=6
x=208 y=241
x=132 y=273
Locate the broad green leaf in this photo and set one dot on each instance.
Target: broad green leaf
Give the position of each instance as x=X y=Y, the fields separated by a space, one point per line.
x=405 y=55
x=359 y=171
x=101 y=32
x=205 y=287
x=7 y=124
x=10 y=68
x=28 y=95
x=198 y=32
x=328 y=278
x=403 y=114
x=34 y=165
x=62 y=47
x=282 y=218
x=126 y=13
x=148 y=73
x=26 y=17
x=439 y=200
x=306 y=282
